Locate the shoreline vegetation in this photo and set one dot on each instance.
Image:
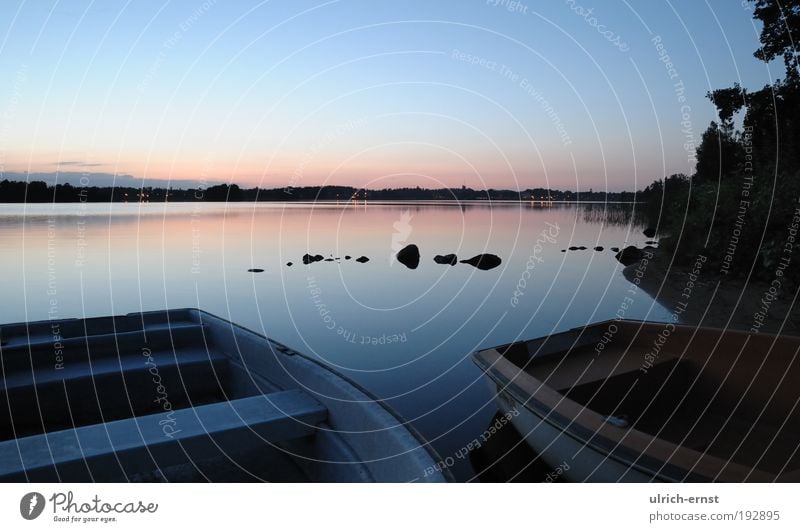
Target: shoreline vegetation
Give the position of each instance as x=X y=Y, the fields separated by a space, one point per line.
x=712 y=299
x=728 y=233
x=41 y=192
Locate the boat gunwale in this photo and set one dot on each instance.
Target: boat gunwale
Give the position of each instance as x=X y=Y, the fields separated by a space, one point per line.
x=569 y=427
x=288 y=351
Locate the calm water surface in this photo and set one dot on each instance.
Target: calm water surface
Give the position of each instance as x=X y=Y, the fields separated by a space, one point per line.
x=404 y=334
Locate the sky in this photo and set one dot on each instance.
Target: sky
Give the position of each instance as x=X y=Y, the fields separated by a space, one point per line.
x=607 y=95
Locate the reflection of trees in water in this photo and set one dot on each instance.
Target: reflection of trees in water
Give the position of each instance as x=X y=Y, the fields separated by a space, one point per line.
x=613 y=213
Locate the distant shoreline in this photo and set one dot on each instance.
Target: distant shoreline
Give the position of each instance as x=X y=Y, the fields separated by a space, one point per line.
x=448 y=203
x=41 y=192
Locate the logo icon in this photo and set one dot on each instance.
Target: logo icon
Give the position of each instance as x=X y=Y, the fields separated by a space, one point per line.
x=32 y=505
x=402 y=228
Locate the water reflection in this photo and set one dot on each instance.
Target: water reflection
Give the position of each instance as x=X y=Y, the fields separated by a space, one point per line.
x=622 y=214
x=404 y=334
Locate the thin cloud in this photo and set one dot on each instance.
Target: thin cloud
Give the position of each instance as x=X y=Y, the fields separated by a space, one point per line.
x=76 y=163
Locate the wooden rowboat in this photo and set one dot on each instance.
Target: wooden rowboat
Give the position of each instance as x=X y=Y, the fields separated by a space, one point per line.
x=638 y=401
x=182 y=395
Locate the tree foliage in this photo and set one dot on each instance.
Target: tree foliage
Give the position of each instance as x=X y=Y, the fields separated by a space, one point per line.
x=745 y=191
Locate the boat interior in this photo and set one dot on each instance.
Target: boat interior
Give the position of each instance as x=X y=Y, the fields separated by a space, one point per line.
x=728 y=394
x=128 y=387
x=74 y=389
x=182 y=395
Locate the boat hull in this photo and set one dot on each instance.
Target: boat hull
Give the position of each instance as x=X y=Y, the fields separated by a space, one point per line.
x=576 y=461
x=634 y=401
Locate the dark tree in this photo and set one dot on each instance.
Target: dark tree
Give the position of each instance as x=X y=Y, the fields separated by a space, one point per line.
x=747 y=180
x=779 y=36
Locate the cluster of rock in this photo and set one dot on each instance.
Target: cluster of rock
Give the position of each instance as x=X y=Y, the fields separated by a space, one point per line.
x=630 y=254
x=581 y=248
x=409 y=256
x=310 y=259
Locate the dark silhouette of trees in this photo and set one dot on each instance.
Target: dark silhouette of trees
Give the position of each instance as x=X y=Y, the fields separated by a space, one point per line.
x=719 y=154
x=742 y=200
x=40 y=192
x=781 y=21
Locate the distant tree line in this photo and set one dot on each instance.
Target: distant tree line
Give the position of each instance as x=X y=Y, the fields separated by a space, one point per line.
x=41 y=192
x=739 y=208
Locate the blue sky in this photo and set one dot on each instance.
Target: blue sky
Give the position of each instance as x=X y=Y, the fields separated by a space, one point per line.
x=368 y=93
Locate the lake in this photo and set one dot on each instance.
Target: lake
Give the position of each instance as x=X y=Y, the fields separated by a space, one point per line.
x=406 y=335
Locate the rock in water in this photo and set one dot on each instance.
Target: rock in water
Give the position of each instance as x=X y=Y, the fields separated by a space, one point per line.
x=308 y=259
x=598 y=248
x=629 y=255
x=450 y=259
x=484 y=261
x=650 y=232
x=573 y=248
x=409 y=256
x=615 y=249
x=347 y=257
x=362 y=259
x=289 y=264
x=255 y=270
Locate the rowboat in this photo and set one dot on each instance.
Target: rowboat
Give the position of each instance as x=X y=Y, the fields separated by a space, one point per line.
x=183 y=395
x=642 y=401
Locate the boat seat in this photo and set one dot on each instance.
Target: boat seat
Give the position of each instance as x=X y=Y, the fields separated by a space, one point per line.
x=107 y=387
x=117 y=449
x=21 y=352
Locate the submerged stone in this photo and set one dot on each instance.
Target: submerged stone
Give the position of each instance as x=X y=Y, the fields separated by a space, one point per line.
x=450 y=259
x=308 y=259
x=409 y=256
x=484 y=261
